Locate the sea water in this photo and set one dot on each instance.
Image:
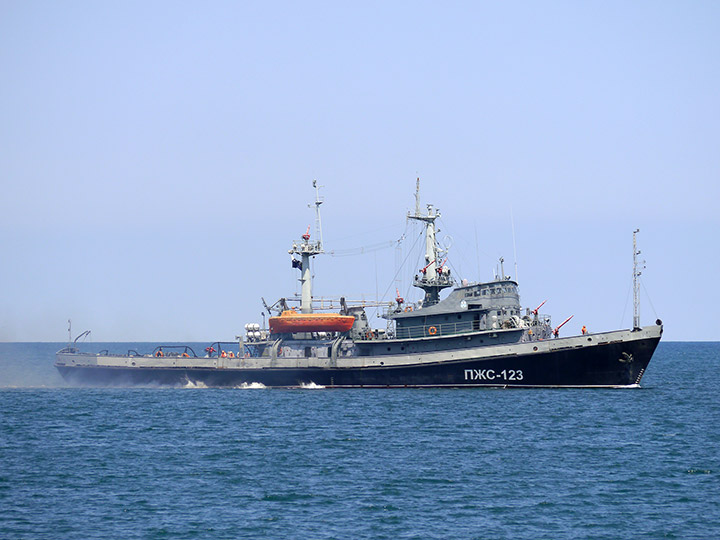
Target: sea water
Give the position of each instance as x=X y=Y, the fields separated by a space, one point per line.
x=185 y=463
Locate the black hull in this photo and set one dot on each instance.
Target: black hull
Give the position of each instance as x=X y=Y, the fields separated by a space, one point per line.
x=618 y=364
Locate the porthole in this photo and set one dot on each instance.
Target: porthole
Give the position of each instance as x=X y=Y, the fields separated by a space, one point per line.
x=535 y=348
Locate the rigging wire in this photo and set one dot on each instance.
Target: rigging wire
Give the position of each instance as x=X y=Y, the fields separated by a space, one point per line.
x=363 y=249
x=376 y=280
x=648 y=297
x=478 y=251
x=398 y=270
x=419 y=261
x=465 y=240
x=627 y=299
x=455 y=270
x=370 y=248
x=447 y=251
x=393 y=226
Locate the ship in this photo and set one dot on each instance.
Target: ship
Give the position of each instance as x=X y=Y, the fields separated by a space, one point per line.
x=474 y=335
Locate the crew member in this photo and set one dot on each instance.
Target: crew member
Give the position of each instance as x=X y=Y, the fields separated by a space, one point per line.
x=584 y=330
x=159 y=353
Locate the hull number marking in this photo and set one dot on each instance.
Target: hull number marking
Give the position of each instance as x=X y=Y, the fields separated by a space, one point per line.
x=492 y=375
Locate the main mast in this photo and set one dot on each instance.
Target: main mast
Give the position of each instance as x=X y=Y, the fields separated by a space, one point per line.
x=433 y=276
x=636 y=283
x=307 y=249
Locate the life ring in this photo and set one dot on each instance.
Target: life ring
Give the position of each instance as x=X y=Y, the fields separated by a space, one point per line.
x=432 y=330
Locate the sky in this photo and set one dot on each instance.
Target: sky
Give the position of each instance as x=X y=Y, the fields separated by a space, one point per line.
x=157 y=158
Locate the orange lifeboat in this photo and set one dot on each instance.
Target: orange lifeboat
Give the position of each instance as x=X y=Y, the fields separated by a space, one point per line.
x=292 y=321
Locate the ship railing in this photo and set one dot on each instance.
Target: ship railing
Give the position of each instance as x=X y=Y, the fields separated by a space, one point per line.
x=334 y=303
x=171 y=350
x=253 y=350
x=434 y=330
x=442 y=279
x=216 y=349
x=406 y=307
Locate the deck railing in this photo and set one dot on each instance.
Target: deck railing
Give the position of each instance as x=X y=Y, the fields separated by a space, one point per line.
x=433 y=330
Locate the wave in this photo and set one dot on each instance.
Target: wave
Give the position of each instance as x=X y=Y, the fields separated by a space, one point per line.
x=195 y=384
x=250 y=386
x=311 y=386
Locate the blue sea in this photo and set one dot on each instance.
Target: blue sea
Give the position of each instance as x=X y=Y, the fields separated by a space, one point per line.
x=187 y=463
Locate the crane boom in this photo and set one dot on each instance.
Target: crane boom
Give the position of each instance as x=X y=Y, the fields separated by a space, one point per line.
x=559 y=326
x=535 y=311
